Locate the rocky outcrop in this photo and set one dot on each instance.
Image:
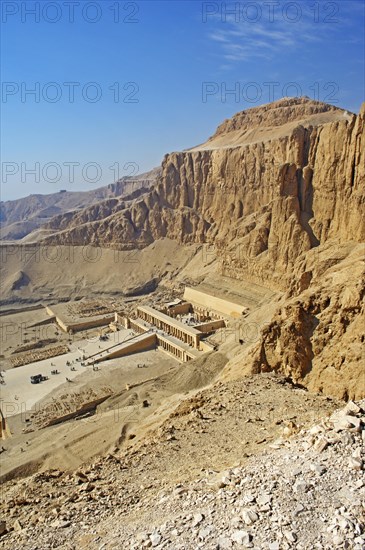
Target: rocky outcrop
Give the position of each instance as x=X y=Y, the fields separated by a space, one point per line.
x=274 y=114
x=316 y=336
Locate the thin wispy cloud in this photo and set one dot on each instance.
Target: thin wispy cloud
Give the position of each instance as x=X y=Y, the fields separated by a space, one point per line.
x=244 y=39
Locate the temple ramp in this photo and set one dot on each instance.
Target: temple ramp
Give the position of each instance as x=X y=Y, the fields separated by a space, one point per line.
x=136 y=344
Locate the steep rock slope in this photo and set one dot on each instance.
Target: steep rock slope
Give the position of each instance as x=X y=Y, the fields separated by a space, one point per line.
x=316 y=335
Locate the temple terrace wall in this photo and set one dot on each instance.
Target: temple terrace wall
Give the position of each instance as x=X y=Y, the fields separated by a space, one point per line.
x=170 y=325
x=80 y=325
x=213 y=303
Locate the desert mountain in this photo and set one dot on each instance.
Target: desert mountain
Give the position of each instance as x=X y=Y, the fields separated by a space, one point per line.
x=20 y=217
x=272 y=183
x=278 y=192
x=270 y=207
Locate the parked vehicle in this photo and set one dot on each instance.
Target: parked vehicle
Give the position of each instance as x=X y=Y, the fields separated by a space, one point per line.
x=38 y=378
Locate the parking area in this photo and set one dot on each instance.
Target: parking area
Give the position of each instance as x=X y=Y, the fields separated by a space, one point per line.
x=18 y=394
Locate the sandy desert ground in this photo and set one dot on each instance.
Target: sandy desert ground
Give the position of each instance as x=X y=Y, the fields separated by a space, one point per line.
x=163 y=383
x=70 y=443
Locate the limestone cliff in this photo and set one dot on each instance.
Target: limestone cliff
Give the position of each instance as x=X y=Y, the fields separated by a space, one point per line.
x=272 y=183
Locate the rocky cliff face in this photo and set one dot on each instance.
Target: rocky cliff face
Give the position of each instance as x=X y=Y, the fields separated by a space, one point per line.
x=272 y=183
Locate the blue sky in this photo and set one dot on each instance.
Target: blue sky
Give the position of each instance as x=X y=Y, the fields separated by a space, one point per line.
x=171 y=63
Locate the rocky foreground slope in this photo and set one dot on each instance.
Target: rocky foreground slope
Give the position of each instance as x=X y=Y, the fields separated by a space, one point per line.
x=304 y=491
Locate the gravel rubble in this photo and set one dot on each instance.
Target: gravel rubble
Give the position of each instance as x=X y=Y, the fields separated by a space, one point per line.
x=306 y=492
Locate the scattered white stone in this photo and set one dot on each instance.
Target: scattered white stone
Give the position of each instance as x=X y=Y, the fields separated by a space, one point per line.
x=198 y=518
x=355 y=463
x=241 y=537
x=278 y=443
x=315 y=430
x=321 y=444
x=318 y=469
x=248 y=498
x=224 y=542
x=338 y=540
x=299 y=508
x=263 y=499
x=290 y=536
x=346 y=422
x=205 y=532
x=352 y=409
x=301 y=486
x=155 y=539
x=236 y=521
x=357 y=453
x=60 y=523
x=249 y=516
x=17 y=525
